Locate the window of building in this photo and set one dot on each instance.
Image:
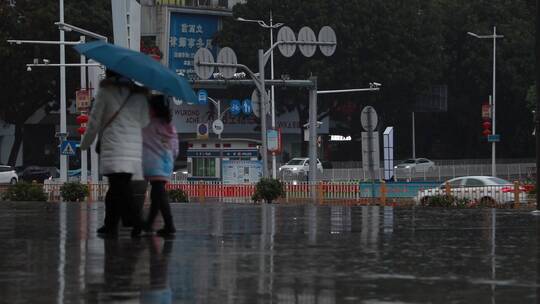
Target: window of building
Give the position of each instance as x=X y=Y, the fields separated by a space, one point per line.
x=204 y=167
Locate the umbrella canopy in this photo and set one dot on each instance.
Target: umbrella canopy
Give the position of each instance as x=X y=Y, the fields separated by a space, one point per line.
x=139 y=67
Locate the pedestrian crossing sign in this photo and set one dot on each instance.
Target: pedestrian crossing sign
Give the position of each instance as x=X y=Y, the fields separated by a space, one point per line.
x=68 y=147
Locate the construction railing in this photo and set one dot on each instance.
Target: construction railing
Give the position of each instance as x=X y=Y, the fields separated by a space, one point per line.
x=96 y=191
x=346 y=191
x=294 y=191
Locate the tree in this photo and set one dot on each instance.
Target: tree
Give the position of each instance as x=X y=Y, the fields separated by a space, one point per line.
x=25 y=92
x=408 y=46
x=394 y=43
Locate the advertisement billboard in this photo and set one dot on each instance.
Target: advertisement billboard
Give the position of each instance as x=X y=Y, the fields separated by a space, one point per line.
x=188 y=33
x=241 y=171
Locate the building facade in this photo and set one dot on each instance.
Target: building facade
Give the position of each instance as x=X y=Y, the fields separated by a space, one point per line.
x=172 y=31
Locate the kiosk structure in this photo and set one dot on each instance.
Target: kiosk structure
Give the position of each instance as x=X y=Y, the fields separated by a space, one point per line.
x=227 y=160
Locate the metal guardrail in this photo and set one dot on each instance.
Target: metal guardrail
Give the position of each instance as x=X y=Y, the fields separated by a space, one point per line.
x=511 y=172
x=438 y=162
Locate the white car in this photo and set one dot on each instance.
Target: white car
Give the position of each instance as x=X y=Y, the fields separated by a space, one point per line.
x=484 y=189
x=299 y=165
x=415 y=165
x=8 y=175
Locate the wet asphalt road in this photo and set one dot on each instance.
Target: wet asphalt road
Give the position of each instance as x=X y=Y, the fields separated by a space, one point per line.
x=225 y=253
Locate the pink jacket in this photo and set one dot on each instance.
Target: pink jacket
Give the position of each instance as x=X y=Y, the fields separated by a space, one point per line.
x=160 y=149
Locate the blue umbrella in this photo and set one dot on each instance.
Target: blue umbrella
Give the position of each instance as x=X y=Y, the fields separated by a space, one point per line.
x=139 y=67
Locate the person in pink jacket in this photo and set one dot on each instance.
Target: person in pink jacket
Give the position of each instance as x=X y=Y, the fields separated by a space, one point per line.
x=160 y=149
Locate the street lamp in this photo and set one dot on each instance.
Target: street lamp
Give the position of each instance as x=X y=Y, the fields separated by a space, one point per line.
x=68 y=28
x=270 y=26
x=494 y=36
x=63 y=27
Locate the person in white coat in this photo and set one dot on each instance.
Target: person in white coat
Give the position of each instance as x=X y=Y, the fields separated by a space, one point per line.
x=119 y=113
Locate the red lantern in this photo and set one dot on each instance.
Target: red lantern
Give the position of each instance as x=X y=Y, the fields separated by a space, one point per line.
x=81 y=130
x=83 y=118
x=486 y=127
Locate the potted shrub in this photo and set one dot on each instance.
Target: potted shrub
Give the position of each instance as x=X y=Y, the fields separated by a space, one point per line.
x=178 y=196
x=25 y=192
x=268 y=189
x=74 y=192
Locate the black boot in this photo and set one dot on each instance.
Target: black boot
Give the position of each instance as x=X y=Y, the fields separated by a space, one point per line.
x=166 y=231
x=162 y=198
x=105 y=230
x=110 y=226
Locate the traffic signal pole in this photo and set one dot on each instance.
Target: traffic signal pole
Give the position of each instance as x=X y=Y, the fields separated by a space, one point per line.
x=537 y=115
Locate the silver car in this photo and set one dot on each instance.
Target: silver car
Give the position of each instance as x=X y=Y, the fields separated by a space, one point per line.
x=416 y=165
x=298 y=166
x=484 y=189
x=8 y=175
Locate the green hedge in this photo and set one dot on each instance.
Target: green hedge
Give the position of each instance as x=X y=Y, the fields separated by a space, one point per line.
x=268 y=189
x=25 y=192
x=178 y=196
x=74 y=192
x=449 y=201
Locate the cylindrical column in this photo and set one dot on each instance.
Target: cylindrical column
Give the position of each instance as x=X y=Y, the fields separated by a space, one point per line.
x=63 y=126
x=219 y=113
x=84 y=154
x=313 y=135
x=537 y=112
x=272 y=98
x=493 y=165
x=264 y=149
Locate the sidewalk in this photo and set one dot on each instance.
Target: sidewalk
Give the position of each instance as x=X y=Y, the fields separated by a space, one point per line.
x=279 y=253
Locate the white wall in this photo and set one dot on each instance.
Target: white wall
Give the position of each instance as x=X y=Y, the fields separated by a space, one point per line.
x=127 y=23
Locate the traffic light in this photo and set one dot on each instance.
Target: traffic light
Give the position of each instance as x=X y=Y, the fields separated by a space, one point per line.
x=486 y=128
x=486 y=117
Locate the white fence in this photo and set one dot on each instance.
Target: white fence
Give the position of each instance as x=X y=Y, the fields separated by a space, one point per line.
x=509 y=171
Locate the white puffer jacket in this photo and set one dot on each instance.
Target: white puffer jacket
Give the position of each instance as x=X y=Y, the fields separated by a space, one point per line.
x=121 y=141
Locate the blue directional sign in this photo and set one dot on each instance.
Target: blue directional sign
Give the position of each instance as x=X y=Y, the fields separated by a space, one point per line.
x=494 y=138
x=246 y=106
x=236 y=107
x=202 y=96
x=69 y=147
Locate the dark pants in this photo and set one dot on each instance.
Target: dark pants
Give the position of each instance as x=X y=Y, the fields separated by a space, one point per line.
x=119 y=202
x=160 y=203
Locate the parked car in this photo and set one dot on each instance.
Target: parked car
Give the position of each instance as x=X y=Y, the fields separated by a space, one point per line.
x=180 y=175
x=39 y=174
x=416 y=165
x=8 y=175
x=484 y=189
x=298 y=166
